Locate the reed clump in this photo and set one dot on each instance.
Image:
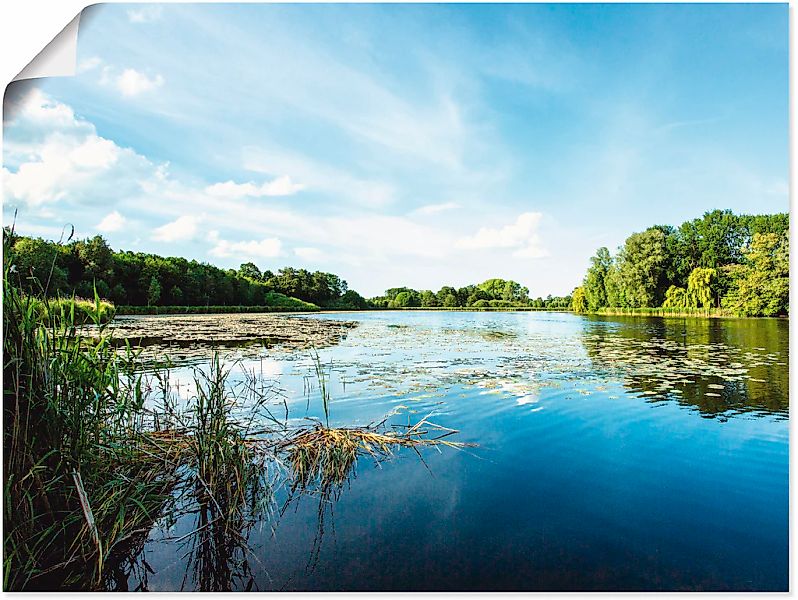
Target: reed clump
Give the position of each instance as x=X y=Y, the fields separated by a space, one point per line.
x=324 y=456
x=327 y=454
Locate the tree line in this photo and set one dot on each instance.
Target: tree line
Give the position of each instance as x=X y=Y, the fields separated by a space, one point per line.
x=495 y=292
x=738 y=264
x=139 y=279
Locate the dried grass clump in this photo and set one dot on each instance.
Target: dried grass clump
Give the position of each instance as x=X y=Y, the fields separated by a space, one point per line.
x=326 y=455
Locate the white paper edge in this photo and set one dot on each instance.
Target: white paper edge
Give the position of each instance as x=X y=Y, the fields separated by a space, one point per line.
x=58 y=58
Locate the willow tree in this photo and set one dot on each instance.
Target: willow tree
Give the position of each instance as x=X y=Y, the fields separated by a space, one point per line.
x=676 y=297
x=578 y=302
x=700 y=287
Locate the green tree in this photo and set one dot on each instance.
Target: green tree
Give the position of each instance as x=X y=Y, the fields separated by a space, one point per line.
x=428 y=298
x=676 y=297
x=699 y=287
x=578 y=301
x=594 y=285
x=250 y=270
x=761 y=285
x=153 y=292
x=450 y=301
x=641 y=267
x=405 y=299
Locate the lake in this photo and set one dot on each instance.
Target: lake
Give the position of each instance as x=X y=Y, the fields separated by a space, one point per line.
x=612 y=454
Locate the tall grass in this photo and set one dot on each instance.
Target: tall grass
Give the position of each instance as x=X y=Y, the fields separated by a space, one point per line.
x=91 y=463
x=78 y=476
x=660 y=311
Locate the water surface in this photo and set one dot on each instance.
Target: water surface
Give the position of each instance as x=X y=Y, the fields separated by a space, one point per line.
x=614 y=454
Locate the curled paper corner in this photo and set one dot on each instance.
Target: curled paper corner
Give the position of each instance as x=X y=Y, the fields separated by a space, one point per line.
x=58 y=58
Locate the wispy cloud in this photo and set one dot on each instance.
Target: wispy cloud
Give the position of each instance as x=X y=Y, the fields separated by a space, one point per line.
x=282 y=186
x=145 y=14
x=308 y=253
x=318 y=175
x=251 y=249
x=432 y=209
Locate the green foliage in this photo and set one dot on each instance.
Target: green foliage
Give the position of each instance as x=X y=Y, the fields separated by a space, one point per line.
x=640 y=268
x=578 y=300
x=153 y=292
x=250 y=270
x=428 y=298
x=139 y=279
x=501 y=289
x=761 y=285
x=718 y=260
x=594 y=285
x=699 y=287
x=676 y=297
x=74 y=310
x=491 y=293
x=406 y=298
x=351 y=300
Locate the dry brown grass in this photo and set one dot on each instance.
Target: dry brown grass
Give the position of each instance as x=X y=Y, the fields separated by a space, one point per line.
x=326 y=455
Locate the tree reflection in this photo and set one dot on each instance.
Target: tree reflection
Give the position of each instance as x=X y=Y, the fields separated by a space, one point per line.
x=717 y=366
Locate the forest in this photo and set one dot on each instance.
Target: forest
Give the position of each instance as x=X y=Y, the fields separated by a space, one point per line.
x=137 y=279
x=720 y=263
x=492 y=293
x=730 y=264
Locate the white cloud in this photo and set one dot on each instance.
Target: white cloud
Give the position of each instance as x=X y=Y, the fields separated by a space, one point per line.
x=308 y=253
x=111 y=222
x=282 y=186
x=431 y=209
x=50 y=155
x=266 y=248
x=145 y=14
x=318 y=175
x=89 y=64
x=181 y=229
x=133 y=83
x=522 y=235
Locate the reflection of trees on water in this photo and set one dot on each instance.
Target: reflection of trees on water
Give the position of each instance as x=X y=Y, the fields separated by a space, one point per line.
x=718 y=366
x=216 y=551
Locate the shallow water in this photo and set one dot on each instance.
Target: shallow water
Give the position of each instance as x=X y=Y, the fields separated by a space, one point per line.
x=614 y=454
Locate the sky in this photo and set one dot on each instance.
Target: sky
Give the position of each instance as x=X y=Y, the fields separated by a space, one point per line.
x=402 y=145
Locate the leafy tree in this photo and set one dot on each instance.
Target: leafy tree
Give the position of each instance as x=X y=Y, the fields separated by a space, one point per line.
x=153 y=292
x=177 y=295
x=250 y=270
x=428 y=298
x=641 y=266
x=699 y=287
x=351 y=300
x=578 y=300
x=444 y=293
x=594 y=286
x=405 y=299
x=761 y=285
x=676 y=297
x=450 y=301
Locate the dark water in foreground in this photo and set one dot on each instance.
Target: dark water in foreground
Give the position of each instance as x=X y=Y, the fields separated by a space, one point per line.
x=614 y=454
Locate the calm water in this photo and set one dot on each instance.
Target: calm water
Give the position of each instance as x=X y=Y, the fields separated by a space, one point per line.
x=614 y=454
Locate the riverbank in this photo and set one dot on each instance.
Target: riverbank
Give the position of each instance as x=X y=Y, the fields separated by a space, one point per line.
x=712 y=313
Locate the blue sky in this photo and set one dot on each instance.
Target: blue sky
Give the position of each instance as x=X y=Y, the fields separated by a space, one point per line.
x=416 y=145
